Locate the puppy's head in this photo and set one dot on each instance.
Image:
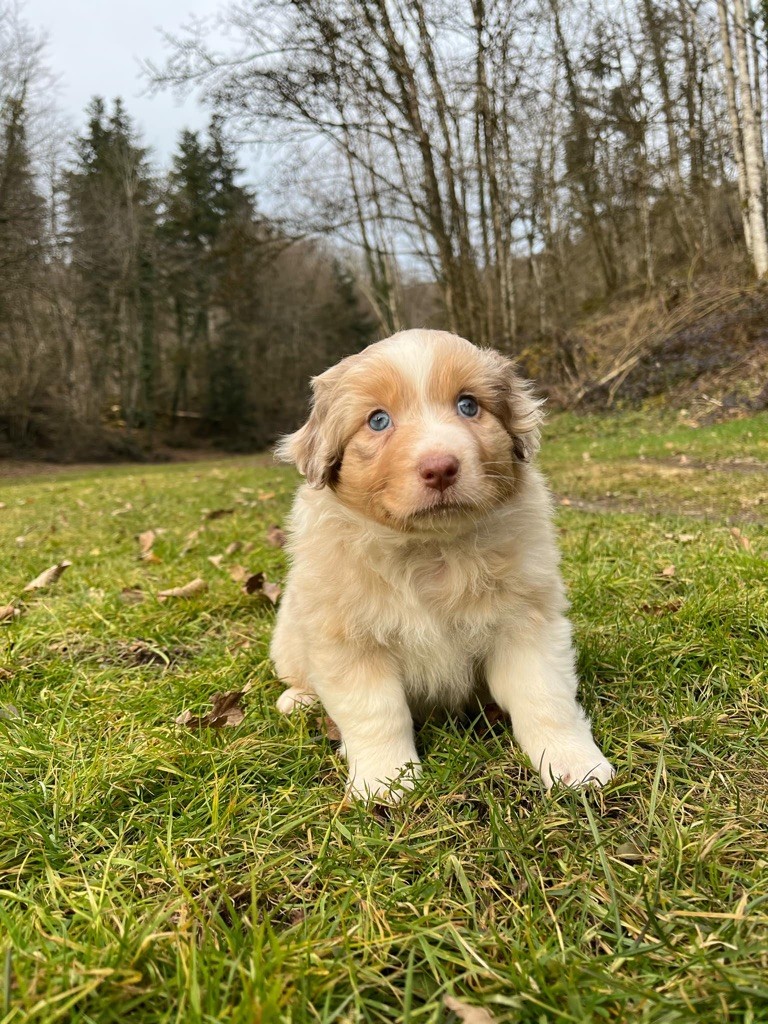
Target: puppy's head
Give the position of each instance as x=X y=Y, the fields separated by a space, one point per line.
x=417 y=429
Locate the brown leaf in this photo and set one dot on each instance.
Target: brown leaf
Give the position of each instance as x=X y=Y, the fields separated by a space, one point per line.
x=742 y=540
x=669 y=570
x=196 y=586
x=216 y=560
x=225 y=710
x=258 y=584
x=131 y=595
x=45 y=579
x=668 y=608
x=146 y=540
x=329 y=728
x=238 y=573
x=8 y=612
x=217 y=513
x=265 y=495
x=686 y=538
x=629 y=852
x=127 y=507
x=275 y=536
x=469 y=1014
x=191 y=539
x=233 y=548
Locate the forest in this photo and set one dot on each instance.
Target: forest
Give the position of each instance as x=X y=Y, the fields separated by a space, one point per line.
x=581 y=183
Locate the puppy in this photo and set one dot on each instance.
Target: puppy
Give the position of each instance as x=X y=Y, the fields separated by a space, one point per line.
x=424 y=563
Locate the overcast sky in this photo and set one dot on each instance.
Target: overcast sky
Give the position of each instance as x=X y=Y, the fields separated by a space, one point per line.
x=94 y=47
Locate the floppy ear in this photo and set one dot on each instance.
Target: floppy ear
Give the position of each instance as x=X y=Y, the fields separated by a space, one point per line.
x=316 y=449
x=520 y=411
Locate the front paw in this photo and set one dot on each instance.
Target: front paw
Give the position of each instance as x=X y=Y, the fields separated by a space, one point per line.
x=293 y=697
x=381 y=784
x=574 y=764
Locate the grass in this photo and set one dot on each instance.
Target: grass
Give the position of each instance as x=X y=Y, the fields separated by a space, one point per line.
x=150 y=873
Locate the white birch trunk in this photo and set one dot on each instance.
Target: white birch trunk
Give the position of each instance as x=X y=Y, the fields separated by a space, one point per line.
x=753 y=157
x=733 y=117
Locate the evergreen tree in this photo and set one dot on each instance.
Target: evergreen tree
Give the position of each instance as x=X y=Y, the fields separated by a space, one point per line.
x=112 y=211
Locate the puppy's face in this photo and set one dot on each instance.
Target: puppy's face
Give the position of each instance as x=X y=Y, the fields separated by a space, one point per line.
x=417 y=430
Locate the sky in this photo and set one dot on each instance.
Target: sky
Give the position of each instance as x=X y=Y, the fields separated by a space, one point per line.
x=94 y=47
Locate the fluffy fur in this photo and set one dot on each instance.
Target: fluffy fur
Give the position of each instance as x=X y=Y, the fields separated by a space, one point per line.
x=403 y=596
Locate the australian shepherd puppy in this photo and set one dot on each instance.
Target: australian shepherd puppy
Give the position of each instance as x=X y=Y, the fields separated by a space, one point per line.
x=424 y=566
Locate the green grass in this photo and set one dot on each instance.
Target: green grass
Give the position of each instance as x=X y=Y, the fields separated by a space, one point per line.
x=153 y=874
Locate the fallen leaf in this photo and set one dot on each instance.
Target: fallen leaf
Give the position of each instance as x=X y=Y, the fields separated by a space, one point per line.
x=265 y=495
x=131 y=595
x=629 y=852
x=123 y=509
x=668 y=608
x=233 y=548
x=2 y=504
x=21 y=540
x=742 y=540
x=8 y=612
x=238 y=573
x=469 y=1014
x=686 y=538
x=191 y=539
x=565 y=501
x=217 y=513
x=258 y=584
x=329 y=728
x=225 y=710
x=196 y=586
x=215 y=560
x=49 y=576
x=276 y=537
x=146 y=540
x=669 y=570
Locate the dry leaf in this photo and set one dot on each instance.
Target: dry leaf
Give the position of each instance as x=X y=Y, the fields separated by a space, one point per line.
x=469 y=1014
x=21 y=540
x=8 y=612
x=225 y=710
x=127 y=507
x=2 y=504
x=565 y=501
x=668 y=608
x=239 y=573
x=329 y=728
x=131 y=595
x=275 y=536
x=215 y=560
x=233 y=548
x=629 y=852
x=669 y=570
x=258 y=584
x=49 y=576
x=196 y=586
x=191 y=539
x=217 y=513
x=741 y=539
x=265 y=495
x=686 y=538
x=146 y=540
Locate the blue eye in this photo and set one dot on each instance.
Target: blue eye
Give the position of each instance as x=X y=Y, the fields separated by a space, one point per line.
x=467 y=406
x=379 y=420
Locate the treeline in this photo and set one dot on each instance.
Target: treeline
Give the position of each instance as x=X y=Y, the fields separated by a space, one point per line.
x=534 y=158
x=498 y=169
x=137 y=306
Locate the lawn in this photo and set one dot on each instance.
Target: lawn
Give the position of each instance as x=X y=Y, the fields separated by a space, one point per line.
x=152 y=872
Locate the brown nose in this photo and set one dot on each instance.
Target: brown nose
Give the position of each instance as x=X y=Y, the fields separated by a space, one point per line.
x=439 y=471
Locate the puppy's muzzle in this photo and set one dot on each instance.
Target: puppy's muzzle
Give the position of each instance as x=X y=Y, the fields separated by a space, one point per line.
x=439 y=471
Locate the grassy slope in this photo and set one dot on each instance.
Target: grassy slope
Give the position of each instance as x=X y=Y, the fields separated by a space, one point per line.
x=152 y=874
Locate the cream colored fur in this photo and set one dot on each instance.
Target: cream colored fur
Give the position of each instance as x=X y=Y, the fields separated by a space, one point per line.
x=392 y=611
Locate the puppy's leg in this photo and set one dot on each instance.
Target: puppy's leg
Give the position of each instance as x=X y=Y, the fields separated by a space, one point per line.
x=293 y=697
x=366 y=700
x=533 y=678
